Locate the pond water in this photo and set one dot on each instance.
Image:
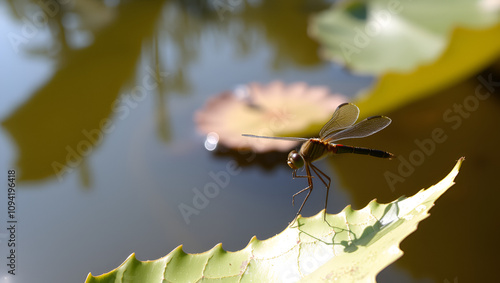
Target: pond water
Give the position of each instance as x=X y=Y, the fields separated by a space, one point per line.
x=142 y=155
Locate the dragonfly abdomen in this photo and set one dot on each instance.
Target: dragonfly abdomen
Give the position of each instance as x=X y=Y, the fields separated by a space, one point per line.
x=340 y=148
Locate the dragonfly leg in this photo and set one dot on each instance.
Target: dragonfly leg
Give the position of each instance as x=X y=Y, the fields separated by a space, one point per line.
x=297 y=193
x=319 y=173
x=310 y=188
x=294 y=175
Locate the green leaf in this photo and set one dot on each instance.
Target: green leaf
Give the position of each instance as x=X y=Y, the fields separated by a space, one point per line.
x=469 y=51
x=378 y=36
x=415 y=48
x=352 y=246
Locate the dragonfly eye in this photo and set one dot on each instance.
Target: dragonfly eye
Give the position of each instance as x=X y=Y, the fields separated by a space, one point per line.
x=295 y=161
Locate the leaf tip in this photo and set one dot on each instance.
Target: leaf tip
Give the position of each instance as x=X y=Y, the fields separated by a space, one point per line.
x=455 y=170
x=89 y=277
x=217 y=248
x=253 y=239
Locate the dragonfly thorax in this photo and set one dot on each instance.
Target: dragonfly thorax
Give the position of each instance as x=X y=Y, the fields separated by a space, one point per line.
x=295 y=160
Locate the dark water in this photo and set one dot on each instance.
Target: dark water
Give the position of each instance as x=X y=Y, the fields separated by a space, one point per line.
x=120 y=83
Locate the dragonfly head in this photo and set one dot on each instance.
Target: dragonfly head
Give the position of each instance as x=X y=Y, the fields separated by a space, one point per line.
x=295 y=160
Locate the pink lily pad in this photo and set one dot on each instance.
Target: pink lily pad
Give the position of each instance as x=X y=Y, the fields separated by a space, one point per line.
x=275 y=109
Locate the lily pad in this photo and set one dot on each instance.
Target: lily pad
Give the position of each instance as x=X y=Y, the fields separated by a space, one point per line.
x=352 y=246
x=275 y=109
x=379 y=36
x=469 y=52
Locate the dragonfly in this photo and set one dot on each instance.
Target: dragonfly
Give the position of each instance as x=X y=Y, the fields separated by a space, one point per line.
x=340 y=127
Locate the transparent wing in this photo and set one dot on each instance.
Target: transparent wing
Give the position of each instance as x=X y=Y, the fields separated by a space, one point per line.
x=344 y=116
x=276 y=138
x=367 y=127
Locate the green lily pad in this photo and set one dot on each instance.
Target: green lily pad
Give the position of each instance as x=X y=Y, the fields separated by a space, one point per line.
x=382 y=36
x=352 y=246
x=469 y=52
x=421 y=47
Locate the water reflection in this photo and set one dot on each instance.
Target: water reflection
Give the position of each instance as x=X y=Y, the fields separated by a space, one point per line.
x=66 y=118
x=96 y=47
x=211 y=141
x=248 y=158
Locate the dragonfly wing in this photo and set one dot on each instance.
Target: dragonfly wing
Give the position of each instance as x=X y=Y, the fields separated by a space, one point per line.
x=276 y=138
x=344 y=116
x=367 y=127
